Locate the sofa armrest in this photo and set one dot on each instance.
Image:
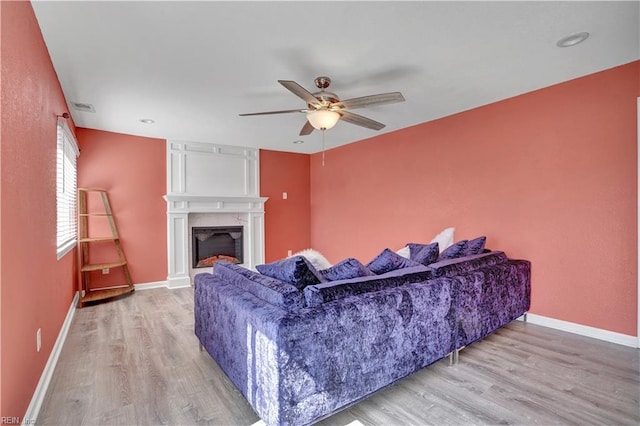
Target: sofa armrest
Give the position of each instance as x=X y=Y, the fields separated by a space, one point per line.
x=271 y=290
x=490 y=298
x=239 y=331
x=462 y=265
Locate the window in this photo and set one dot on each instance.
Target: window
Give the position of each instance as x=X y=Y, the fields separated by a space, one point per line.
x=66 y=188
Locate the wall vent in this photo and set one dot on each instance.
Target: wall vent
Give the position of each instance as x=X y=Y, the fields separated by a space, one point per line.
x=83 y=107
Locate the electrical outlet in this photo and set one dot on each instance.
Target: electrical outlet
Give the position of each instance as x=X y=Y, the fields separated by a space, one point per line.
x=284 y=195
x=38 y=339
x=289 y=253
x=105 y=271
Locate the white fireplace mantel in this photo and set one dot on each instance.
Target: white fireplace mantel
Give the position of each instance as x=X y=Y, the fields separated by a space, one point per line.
x=213 y=204
x=208 y=178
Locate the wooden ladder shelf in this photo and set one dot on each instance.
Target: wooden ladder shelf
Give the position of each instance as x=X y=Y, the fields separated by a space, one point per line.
x=85 y=241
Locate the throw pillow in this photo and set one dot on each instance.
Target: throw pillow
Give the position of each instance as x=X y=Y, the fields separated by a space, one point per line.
x=293 y=270
x=347 y=269
x=387 y=261
x=424 y=253
x=453 y=251
x=315 y=257
x=404 y=252
x=444 y=238
x=474 y=246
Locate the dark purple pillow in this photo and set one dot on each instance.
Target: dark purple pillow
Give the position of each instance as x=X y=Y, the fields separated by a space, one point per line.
x=387 y=261
x=474 y=246
x=345 y=270
x=424 y=253
x=453 y=251
x=296 y=270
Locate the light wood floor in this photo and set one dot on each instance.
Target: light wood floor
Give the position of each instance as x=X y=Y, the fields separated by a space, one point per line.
x=136 y=360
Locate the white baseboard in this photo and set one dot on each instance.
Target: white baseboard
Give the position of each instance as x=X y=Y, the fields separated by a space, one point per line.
x=183 y=285
x=178 y=282
x=149 y=286
x=33 y=409
x=584 y=330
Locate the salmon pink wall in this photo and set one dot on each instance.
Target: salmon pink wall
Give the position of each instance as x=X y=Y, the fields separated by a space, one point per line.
x=548 y=176
x=133 y=171
x=37 y=289
x=286 y=221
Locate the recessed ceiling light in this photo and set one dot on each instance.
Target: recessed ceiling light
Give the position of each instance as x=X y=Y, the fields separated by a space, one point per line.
x=147 y=121
x=298 y=142
x=573 y=39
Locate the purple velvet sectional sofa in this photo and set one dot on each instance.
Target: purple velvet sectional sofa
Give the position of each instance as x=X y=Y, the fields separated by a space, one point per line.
x=300 y=354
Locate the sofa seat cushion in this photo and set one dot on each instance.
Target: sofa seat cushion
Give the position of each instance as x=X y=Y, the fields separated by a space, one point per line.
x=296 y=270
x=318 y=294
x=462 y=265
x=389 y=260
x=345 y=270
x=275 y=292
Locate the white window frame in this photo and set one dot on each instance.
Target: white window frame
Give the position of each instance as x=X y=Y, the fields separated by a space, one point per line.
x=66 y=189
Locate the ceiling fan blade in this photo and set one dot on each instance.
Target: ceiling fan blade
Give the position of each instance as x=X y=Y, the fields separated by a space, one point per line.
x=306 y=129
x=299 y=91
x=359 y=120
x=364 y=101
x=286 y=111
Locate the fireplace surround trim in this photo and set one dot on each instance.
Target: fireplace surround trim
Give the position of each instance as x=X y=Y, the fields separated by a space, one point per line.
x=178 y=209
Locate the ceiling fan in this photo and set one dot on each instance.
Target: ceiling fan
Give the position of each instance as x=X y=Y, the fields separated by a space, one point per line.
x=324 y=108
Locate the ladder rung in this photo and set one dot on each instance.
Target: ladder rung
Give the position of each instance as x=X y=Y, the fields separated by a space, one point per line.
x=98 y=239
x=92 y=189
x=94 y=214
x=99 y=266
x=100 y=294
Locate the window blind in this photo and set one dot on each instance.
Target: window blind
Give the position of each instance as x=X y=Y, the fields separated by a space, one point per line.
x=66 y=190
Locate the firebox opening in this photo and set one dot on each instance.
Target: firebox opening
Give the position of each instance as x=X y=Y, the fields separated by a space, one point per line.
x=212 y=244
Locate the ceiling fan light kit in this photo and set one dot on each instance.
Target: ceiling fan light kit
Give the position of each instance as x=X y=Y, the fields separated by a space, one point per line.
x=324 y=108
x=323 y=119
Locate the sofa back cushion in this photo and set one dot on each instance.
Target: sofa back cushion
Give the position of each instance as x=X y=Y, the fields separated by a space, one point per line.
x=475 y=246
x=296 y=270
x=453 y=251
x=462 y=265
x=276 y=292
x=345 y=270
x=424 y=253
x=318 y=294
x=389 y=260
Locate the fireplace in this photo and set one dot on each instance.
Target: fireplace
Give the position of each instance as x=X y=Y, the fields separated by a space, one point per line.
x=214 y=243
x=211 y=185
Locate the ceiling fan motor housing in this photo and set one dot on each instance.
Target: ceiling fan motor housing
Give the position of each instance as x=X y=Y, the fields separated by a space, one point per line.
x=322 y=82
x=325 y=98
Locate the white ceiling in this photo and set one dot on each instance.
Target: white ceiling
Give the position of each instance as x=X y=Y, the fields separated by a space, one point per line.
x=194 y=66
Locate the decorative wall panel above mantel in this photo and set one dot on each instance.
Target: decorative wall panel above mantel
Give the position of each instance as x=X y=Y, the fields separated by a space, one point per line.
x=206 y=169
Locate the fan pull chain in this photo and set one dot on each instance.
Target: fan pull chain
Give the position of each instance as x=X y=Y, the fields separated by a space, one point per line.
x=323 y=130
